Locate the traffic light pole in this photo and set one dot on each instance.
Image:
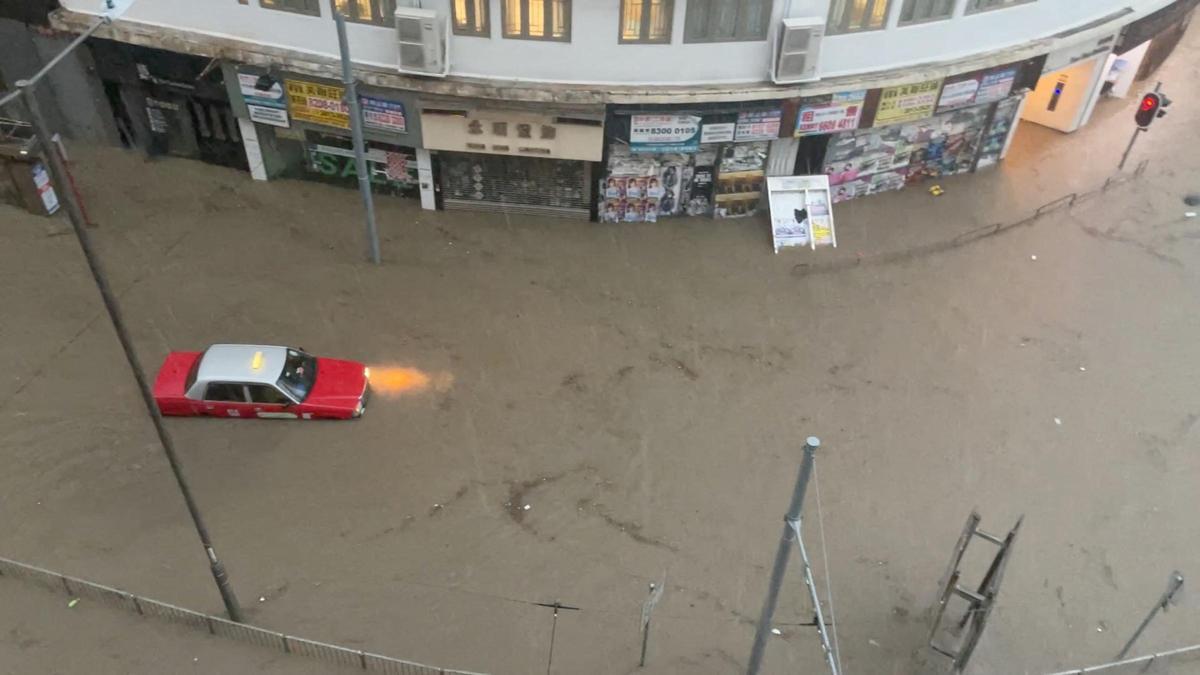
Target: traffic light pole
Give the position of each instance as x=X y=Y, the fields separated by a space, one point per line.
x=1134 y=137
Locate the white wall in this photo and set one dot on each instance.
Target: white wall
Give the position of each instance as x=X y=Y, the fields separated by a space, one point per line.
x=595 y=56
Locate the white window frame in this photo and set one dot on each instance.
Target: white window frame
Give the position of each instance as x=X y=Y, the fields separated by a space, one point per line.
x=839 y=16
x=977 y=6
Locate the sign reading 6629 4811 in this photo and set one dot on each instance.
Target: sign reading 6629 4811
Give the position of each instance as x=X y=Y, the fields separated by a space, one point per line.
x=664 y=133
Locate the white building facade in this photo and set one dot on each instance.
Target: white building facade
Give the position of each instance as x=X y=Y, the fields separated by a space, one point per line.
x=590 y=108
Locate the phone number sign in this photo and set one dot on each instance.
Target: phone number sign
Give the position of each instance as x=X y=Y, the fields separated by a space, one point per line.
x=664 y=133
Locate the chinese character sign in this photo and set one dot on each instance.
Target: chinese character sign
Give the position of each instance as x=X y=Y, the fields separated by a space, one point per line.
x=830 y=114
x=318 y=103
x=907 y=102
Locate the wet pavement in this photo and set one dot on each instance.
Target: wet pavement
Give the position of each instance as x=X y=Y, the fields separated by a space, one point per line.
x=644 y=390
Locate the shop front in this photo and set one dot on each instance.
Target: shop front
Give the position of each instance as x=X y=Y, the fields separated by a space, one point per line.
x=168 y=103
x=299 y=127
x=871 y=141
x=702 y=162
x=514 y=160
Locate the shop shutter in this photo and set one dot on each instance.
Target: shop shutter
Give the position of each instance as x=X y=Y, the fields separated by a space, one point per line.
x=515 y=184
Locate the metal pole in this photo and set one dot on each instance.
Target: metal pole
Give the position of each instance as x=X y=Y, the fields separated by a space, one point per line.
x=781 y=557
x=1174 y=583
x=58 y=171
x=1128 y=148
x=360 y=156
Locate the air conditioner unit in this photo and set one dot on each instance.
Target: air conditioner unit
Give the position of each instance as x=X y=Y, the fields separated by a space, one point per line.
x=798 y=51
x=420 y=36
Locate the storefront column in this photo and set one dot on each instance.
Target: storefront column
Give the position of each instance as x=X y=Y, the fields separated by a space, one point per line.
x=425 y=178
x=781 y=159
x=254 y=156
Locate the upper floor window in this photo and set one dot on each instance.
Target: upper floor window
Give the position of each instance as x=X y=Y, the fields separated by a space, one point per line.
x=646 y=20
x=471 y=17
x=916 y=11
x=311 y=7
x=378 y=12
x=850 y=16
x=537 y=19
x=726 y=20
x=985 y=5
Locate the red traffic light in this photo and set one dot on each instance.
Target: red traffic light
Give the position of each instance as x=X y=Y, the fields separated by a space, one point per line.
x=1151 y=103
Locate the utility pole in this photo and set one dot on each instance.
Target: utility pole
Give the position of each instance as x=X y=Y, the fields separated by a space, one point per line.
x=781 y=556
x=1174 y=583
x=356 y=132
x=58 y=170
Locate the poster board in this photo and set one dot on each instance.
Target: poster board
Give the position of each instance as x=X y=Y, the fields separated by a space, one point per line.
x=907 y=102
x=318 y=103
x=801 y=211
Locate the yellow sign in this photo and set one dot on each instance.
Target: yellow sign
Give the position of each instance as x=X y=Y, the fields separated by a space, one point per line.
x=907 y=102
x=317 y=103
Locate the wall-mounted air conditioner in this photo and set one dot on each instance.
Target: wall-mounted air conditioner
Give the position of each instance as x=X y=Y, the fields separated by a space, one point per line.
x=798 y=51
x=422 y=41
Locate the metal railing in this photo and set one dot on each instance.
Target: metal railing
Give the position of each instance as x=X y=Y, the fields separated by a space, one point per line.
x=215 y=625
x=1142 y=664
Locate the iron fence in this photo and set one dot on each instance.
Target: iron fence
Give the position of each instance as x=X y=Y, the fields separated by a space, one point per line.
x=1186 y=658
x=217 y=626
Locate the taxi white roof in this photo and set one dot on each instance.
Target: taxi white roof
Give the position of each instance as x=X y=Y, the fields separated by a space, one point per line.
x=235 y=363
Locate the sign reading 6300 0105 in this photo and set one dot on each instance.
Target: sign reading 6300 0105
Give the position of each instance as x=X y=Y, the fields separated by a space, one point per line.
x=664 y=133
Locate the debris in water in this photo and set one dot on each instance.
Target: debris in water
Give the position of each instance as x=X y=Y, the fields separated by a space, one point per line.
x=527 y=507
x=1189 y=214
x=1058 y=421
x=874 y=643
x=262 y=598
x=776 y=631
x=1033 y=257
x=72 y=603
x=1083 y=369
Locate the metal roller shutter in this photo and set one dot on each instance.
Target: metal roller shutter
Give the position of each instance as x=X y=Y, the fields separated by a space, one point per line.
x=531 y=185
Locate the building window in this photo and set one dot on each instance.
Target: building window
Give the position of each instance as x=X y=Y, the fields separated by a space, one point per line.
x=851 y=16
x=726 y=20
x=471 y=17
x=377 y=12
x=310 y=7
x=646 y=20
x=537 y=19
x=985 y=5
x=917 y=11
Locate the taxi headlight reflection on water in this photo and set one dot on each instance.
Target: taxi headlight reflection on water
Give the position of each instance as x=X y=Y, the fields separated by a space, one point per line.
x=401 y=380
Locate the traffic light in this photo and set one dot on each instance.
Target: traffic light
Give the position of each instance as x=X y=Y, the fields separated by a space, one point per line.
x=1151 y=108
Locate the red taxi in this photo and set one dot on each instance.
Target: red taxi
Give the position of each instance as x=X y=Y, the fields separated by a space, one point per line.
x=260 y=381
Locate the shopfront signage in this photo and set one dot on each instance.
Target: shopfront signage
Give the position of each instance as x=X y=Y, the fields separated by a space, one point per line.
x=664 y=133
x=830 y=114
x=385 y=167
x=907 y=102
x=977 y=88
x=318 y=103
x=758 y=125
x=267 y=106
x=717 y=133
x=383 y=115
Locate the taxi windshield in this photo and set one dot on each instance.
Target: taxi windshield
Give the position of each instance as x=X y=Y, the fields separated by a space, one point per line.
x=299 y=373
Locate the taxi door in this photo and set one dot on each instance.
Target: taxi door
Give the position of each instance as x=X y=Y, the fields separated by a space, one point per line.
x=269 y=402
x=225 y=399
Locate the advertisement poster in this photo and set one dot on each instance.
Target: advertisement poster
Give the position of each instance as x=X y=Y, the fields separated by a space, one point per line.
x=800 y=211
x=758 y=125
x=317 y=103
x=252 y=95
x=664 y=133
x=907 y=102
x=382 y=114
x=958 y=94
x=717 y=133
x=391 y=168
x=41 y=180
x=740 y=176
x=831 y=113
x=996 y=85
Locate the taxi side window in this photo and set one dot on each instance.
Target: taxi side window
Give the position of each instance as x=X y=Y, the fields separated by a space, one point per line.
x=225 y=391
x=262 y=393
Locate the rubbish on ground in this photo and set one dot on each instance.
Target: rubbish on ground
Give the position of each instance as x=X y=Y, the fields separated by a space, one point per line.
x=73 y=602
x=936 y=190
